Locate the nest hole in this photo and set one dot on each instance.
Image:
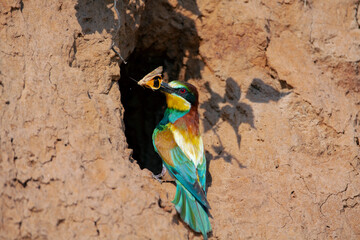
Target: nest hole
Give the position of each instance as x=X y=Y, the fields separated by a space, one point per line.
x=165 y=38
x=144 y=108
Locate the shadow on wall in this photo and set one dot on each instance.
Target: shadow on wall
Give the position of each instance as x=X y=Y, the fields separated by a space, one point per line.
x=95 y=16
x=165 y=31
x=229 y=108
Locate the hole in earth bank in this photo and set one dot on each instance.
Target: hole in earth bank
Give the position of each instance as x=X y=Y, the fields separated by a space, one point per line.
x=166 y=37
x=144 y=108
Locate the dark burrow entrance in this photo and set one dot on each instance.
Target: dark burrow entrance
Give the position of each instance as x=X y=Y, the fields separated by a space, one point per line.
x=144 y=109
x=160 y=42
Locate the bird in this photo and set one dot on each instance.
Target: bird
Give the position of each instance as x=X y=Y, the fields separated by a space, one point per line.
x=177 y=140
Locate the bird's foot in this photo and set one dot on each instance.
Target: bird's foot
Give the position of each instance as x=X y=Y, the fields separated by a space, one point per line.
x=160 y=175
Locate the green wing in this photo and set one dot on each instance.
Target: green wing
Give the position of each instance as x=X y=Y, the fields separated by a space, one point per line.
x=185 y=172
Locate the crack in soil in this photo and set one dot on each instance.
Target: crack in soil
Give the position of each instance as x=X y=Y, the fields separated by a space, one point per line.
x=332 y=194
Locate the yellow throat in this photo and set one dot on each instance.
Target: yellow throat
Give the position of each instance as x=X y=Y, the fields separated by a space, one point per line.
x=178 y=103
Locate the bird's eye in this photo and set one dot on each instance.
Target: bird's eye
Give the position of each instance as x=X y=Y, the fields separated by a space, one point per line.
x=182 y=90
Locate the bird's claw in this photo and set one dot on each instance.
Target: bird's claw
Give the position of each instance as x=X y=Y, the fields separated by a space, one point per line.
x=160 y=175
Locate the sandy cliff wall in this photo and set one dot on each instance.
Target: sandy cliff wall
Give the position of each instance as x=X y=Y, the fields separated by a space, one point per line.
x=280 y=106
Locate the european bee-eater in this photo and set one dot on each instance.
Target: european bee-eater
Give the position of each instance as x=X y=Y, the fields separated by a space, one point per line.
x=178 y=141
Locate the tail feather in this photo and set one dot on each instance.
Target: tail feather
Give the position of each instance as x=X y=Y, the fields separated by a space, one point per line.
x=191 y=211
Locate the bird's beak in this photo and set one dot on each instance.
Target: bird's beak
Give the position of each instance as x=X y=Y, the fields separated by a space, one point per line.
x=166 y=88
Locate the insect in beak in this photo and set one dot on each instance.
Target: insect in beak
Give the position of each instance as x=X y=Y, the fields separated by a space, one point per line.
x=152 y=80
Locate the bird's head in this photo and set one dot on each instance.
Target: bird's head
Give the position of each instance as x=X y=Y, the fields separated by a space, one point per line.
x=180 y=96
